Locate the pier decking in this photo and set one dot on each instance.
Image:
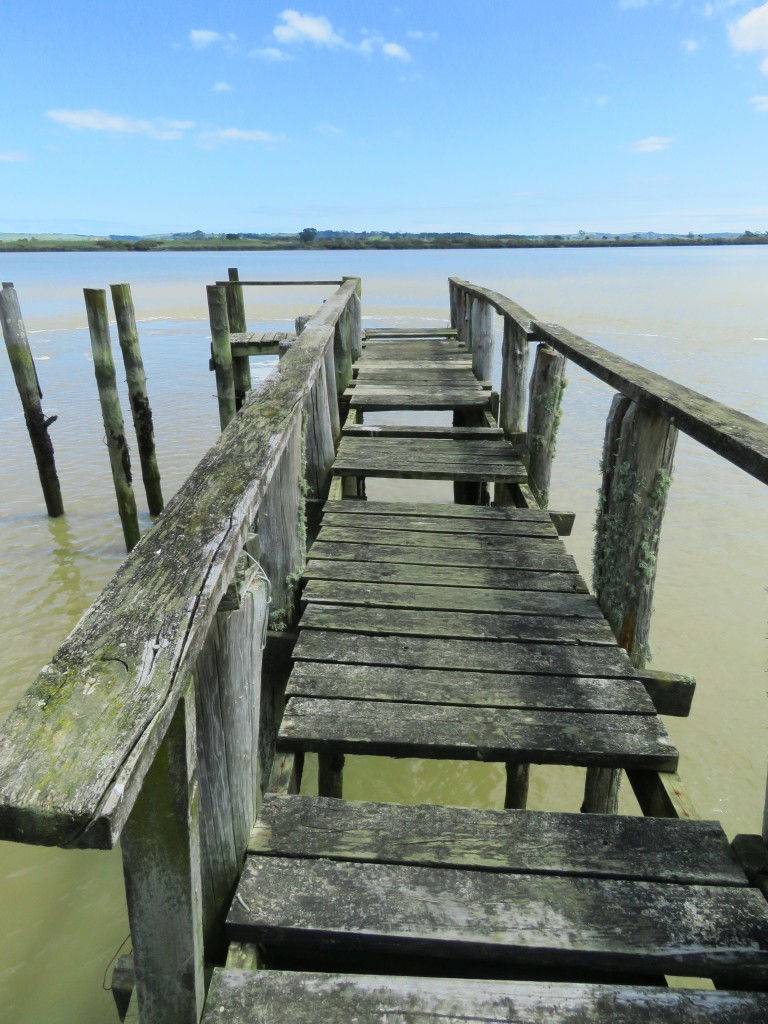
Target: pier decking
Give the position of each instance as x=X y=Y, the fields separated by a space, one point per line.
x=466 y=632
x=275 y=612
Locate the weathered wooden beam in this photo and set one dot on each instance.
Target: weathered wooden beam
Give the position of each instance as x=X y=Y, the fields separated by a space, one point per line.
x=514 y=377
x=241 y=366
x=546 y=391
x=356 y=319
x=117 y=444
x=141 y=411
x=661 y=794
x=637 y=461
x=161 y=862
x=74 y=752
x=481 y=325
x=222 y=353
x=28 y=386
x=330 y=772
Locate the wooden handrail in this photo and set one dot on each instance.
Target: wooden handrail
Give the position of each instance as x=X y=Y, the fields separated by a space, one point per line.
x=734 y=435
x=75 y=751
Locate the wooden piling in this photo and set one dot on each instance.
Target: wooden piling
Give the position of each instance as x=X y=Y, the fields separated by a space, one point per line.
x=514 y=378
x=241 y=365
x=638 y=453
x=221 y=350
x=547 y=384
x=482 y=319
x=355 y=319
x=137 y=393
x=25 y=375
x=106 y=380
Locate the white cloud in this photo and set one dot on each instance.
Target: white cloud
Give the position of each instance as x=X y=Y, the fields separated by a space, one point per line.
x=272 y=54
x=222 y=135
x=328 y=129
x=222 y=87
x=306 y=28
x=407 y=79
x=394 y=51
x=760 y=103
x=652 y=144
x=417 y=33
x=100 y=121
x=602 y=101
x=690 y=45
x=202 y=37
x=11 y=157
x=750 y=33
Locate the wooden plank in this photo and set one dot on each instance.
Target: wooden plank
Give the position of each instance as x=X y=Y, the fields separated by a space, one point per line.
x=260 y=997
x=444 y=526
x=467 y=625
x=528 y=658
x=74 y=752
x=551 y=558
x=360 y=533
x=380 y=400
x=610 y=925
x=467 y=688
x=525 y=842
x=467 y=468
x=486 y=513
x=410 y=332
x=489 y=577
x=399 y=430
x=461 y=599
x=389 y=729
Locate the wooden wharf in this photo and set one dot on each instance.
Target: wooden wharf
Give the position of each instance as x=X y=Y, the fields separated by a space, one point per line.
x=274 y=612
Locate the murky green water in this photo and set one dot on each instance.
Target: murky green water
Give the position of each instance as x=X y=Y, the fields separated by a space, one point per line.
x=699 y=316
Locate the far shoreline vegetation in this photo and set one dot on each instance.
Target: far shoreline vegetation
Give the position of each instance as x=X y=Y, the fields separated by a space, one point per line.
x=313 y=239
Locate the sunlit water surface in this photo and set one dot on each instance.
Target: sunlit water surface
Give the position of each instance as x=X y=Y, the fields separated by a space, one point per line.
x=697 y=315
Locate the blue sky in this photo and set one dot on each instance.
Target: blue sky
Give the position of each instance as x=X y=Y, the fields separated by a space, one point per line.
x=479 y=115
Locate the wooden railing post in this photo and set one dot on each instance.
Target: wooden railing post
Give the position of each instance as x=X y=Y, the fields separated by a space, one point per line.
x=342 y=352
x=241 y=365
x=28 y=386
x=637 y=461
x=161 y=863
x=221 y=350
x=141 y=411
x=546 y=389
x=463 y=301
x=228 y=697
x=514 y=378
x=355 y=319
x=482 y=320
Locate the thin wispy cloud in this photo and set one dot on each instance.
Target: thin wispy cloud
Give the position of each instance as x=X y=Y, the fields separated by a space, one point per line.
x=750 y=34
x=222 y=87
x=200 y=38
x=417 y=33
x=652 y=144
x=13 y=157
x=225 y=135
x=306 y=28
x=326 y=128
x=690 y=45
x=118 y=124
x=760 y=103
x=272 y=54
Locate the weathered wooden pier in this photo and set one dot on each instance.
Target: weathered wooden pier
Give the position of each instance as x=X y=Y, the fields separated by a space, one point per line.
x=274 y=612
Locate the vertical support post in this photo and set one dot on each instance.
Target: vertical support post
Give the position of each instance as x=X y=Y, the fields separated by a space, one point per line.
x=342 y=352
x=28 y=386
x=228 y=700
x=518 y=778
x=330 y=770
x=482 y=319
x=355 y=309
x=514 y=377
x=638 y=453
x=452 y=302
x=241 y=365
x=221 y=351
x=161 y=863
x=106 y=381
x=462 y=317
x=137 y=394
x=546 y=391
x=319 y=446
